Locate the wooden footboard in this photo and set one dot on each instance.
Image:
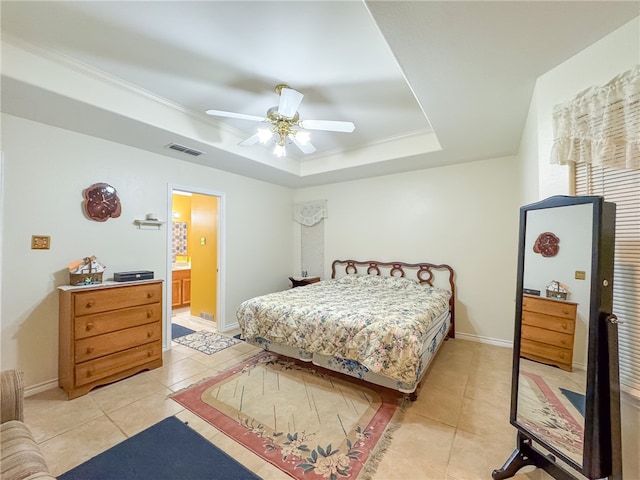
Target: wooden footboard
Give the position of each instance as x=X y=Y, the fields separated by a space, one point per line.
x=425 y=273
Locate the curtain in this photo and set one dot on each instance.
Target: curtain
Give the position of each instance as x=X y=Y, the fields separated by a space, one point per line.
x=601 y=126
x=311 y=212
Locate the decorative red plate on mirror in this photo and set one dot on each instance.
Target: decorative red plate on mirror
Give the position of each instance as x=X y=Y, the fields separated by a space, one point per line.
x=547 y=244
x=101 y=202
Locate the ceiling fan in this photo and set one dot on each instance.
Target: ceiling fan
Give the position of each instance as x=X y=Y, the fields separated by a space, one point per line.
x=286 y=126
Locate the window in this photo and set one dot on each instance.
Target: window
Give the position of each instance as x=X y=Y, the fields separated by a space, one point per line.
x=621 y=187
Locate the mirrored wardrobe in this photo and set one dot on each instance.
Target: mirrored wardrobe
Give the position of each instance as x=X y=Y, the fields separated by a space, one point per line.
x=565 y=390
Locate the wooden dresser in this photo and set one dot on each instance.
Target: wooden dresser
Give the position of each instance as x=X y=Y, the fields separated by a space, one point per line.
x=108 y=332
x=548 y=328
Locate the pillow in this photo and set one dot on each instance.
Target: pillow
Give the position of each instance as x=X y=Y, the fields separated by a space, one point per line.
x=401 y=283
x=370 y=280
x=349 y=279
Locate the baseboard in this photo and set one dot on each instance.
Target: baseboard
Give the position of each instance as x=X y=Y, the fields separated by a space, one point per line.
x=487 y=340
x=41 y=387
x=233 y=326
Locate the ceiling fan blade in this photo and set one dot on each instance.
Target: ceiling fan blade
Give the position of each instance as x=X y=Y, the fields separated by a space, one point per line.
x=290 y=100
x=252 y=140
x=242 y=116
x=305 y=147
x=329 y=125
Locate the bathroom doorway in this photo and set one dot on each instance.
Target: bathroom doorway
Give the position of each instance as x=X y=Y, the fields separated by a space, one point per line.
x=194 y=261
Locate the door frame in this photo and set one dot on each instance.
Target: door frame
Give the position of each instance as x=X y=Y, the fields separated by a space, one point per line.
x=220 y=317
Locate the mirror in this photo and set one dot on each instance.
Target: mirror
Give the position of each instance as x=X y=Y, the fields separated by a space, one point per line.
x=564 y=402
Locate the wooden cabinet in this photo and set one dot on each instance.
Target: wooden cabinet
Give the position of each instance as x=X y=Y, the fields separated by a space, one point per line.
x=548 y=328
x=180 y=288
x=108 y=332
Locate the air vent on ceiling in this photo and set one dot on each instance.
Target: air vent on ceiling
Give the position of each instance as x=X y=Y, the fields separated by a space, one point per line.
x=183 y=149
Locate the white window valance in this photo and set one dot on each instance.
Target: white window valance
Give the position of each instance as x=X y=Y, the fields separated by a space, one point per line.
x=311 y=212
x=601 y=126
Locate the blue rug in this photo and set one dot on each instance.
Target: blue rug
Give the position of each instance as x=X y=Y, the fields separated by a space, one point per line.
x=179 y=331
x=576 y=399
x=169 y=450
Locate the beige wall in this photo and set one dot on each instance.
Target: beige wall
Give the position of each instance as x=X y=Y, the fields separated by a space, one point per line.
x=464 y=215
x=45 y=171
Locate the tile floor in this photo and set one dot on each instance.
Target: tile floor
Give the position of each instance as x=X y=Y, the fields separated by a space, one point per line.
x=458 y=429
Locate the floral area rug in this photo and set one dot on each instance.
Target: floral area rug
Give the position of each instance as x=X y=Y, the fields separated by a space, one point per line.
x=206 y=342
x=544 y=410
x=307 y=421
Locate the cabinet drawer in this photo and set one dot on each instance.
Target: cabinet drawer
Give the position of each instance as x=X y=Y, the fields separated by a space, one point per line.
x=549 y=337
x=94 y=370
x=549 y=307
x=100 y=345
x=545 y=352
x=99 y=323
x=559 y=324
x=101 y=300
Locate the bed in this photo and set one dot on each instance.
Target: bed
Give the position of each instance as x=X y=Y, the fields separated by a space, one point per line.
x=382 y=322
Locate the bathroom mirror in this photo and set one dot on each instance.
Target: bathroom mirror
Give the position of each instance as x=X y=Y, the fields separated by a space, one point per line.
x=565 y=390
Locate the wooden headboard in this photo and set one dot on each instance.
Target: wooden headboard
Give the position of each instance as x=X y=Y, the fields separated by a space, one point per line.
x=425 y=273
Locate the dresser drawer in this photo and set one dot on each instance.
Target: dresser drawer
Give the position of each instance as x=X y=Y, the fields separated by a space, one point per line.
x=101 y=300
x=97 y=346
x=549 y=337
x=549 y=307
x=545 y=353
x=94 y=370
x=99 y=323
x=559 y=324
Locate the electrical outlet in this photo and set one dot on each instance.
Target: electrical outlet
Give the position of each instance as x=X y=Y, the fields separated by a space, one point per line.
x=580 y=275
x=40 y=242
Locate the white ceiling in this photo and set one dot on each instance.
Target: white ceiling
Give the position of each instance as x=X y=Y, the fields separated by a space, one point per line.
x=426 y=83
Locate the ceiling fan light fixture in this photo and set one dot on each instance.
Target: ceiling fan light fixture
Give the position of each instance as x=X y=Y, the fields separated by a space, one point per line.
x=280 y=150
x=264 y=135
x=286 y=124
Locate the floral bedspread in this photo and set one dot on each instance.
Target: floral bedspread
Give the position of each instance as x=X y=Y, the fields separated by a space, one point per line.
x=380 y=322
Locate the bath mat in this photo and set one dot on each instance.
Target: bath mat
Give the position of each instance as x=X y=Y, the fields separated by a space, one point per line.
x=179 y=331
x=206 y=342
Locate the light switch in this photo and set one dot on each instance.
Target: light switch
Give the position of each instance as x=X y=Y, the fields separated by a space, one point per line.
x=203 y=240
x=581 y=275
x=40 y=242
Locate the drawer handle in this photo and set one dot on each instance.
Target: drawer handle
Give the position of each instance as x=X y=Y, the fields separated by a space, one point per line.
x=149 y=295
x=564 y=325
x=563 y=342
x=149 y=313
x=149 y=353
x=565 y=311
x=90 y=349
x=149 y=334
x=89 y=372
x=561 y=354
x=89 y=304
x=88 y=327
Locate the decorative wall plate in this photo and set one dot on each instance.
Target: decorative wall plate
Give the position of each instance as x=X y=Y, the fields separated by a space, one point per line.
x=547 y=244
x=101 y=202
